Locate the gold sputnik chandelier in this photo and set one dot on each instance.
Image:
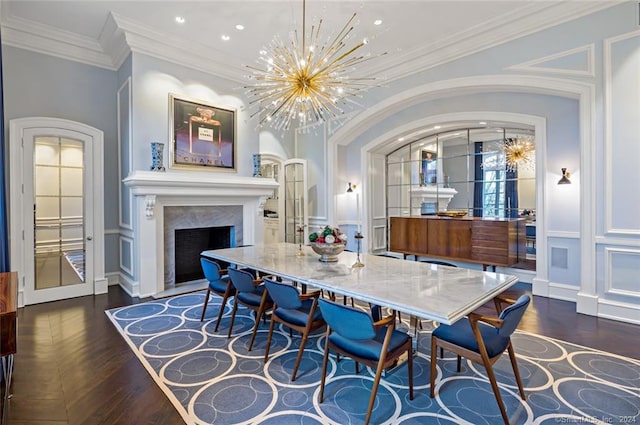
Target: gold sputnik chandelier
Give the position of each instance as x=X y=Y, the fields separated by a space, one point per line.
x=519 y=152
x=306 y=79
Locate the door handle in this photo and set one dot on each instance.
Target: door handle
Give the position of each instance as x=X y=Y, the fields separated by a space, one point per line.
x=89 y=238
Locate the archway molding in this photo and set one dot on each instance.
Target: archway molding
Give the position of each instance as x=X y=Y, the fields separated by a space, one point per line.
x=584 y=92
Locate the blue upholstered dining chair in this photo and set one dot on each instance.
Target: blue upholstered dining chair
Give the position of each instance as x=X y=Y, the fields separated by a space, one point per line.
x=353 y=333
x=296 y=311
x=483 y=340
x=218 y=284
x=251 y=293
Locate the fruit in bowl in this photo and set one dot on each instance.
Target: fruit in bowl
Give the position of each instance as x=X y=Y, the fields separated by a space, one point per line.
x=328 y=242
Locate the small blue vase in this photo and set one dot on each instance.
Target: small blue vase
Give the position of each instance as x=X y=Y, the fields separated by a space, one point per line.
x=157 y=153
x=256 y=165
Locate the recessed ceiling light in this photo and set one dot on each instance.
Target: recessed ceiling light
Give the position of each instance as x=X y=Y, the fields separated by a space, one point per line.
x=436 y=127
x=482 y=123
x=239 y=27
x=377 y=22
x=225 y=37
x=400 y=139
x=263 y=52
x=180 y=19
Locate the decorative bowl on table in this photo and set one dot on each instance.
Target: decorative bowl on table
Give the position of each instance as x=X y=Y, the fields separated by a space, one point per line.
x=328 y=252
x=328 y=242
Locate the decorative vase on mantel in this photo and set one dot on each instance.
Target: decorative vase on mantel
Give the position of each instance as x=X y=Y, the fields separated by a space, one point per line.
x=257 y=162
x=157 y=156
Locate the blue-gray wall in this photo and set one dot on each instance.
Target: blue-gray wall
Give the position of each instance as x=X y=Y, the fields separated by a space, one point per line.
x=37 y=85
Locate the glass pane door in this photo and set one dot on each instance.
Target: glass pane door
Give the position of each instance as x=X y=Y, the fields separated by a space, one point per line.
x=59 y=248
x=295 y=188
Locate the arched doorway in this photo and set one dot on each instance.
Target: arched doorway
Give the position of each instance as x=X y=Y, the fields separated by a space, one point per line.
x=57 y=214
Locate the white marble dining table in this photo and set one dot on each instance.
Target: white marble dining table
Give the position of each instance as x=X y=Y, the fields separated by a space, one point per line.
x=434 y=292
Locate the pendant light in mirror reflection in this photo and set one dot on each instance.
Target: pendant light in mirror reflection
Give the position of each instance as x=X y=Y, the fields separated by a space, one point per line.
x=519 y=152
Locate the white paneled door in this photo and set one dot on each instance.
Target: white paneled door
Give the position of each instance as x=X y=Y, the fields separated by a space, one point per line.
x=57 y=227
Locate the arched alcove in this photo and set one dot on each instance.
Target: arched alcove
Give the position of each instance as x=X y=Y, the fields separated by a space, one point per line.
x=371 y=152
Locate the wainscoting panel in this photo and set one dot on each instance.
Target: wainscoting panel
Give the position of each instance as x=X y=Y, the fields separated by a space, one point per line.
x=564 y=261
x=126 y=255
x=621 y=271
x=124 y=154
x=622 y=103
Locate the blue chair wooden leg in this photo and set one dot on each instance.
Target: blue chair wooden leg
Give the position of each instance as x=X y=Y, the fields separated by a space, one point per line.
x=259 y=314
x=227 y=295
x=204 y=307
x=269 y=336
x=379 y=369
x=233 y=318
x=325 y=360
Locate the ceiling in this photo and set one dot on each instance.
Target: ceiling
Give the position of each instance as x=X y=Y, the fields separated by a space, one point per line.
x=415 y=35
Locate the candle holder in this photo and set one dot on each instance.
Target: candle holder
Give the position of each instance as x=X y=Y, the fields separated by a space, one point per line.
x=359 y=238
x=300 y=230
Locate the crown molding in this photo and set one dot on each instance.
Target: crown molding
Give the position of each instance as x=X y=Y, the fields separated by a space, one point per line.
x=534 y=17
x=37 y=37
x=113 y=41
x=120 y=36
x=142 y=39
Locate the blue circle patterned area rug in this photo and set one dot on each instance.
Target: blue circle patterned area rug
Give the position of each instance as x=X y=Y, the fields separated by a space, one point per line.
x=212 y=379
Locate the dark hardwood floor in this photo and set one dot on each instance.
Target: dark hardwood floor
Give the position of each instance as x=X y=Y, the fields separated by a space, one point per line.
x=73 y=367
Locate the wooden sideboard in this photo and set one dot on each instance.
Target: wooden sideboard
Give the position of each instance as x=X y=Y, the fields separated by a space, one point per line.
x=494 y=242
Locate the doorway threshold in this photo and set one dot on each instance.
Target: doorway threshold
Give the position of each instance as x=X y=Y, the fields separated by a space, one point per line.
x=183 y=288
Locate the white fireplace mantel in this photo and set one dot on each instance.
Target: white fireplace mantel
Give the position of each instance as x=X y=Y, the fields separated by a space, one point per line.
x=431 y=193
x=155 y=190
x=194 y=184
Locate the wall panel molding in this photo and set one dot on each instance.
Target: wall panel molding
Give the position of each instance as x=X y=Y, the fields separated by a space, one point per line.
x=545 y=64
x=121 y=244
x=124 y=115
x=609 y=241
x=611 y=203
x=610 y=272
x=561 y=234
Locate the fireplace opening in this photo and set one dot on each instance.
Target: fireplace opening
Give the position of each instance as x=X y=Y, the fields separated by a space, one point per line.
x=189 y=243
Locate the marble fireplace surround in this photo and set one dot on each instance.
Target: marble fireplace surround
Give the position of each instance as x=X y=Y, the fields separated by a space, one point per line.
x=192 y=217
x=153 y=191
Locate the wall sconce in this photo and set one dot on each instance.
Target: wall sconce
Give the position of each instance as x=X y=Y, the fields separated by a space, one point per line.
x=565 y=177
x=351 y=187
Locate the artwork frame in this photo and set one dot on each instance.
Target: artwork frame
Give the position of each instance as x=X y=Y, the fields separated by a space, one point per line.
x=428 y=167
x=203 y=136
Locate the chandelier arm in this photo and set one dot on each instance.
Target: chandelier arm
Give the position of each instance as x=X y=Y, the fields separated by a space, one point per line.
x=344 y=31
x=304 y=23
x=287 y=99
x=330 y=64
